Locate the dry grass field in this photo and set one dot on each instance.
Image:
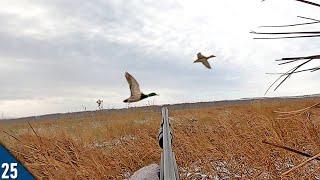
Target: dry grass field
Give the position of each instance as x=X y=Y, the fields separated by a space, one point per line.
x=218 y=142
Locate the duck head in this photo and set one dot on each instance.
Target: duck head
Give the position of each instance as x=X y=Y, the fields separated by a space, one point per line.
x=152 y=94
x=143 y=96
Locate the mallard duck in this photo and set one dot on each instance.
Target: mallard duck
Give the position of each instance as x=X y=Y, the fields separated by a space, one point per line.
x=136 y=94
x=204 y=60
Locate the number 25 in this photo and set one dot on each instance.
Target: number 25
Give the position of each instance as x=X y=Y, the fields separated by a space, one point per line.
x=13 y=170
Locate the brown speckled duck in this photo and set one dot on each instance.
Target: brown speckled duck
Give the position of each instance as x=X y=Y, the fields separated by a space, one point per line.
x=136 y=94
x=204 y=60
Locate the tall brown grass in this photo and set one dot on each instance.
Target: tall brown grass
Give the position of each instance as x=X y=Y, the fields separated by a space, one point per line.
x=223 y=141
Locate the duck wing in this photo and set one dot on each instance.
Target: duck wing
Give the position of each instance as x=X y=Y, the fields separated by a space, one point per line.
x=206 y=64
x=200 y=56
x=133 y=84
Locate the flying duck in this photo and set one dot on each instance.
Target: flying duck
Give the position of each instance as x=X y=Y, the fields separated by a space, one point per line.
x=204 y=60
x=136 y=94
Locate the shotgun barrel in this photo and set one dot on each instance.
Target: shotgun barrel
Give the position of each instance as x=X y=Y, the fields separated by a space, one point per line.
x=168 y=165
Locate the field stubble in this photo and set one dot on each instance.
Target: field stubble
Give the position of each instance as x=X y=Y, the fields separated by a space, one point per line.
x=218 y=142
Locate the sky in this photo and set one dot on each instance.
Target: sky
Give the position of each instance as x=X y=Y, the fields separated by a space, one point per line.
x=64 y=55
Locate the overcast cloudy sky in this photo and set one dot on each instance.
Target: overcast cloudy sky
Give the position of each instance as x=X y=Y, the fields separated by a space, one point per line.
x=61 y=55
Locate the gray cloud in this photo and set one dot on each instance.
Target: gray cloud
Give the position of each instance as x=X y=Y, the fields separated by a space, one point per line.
x=60 y=55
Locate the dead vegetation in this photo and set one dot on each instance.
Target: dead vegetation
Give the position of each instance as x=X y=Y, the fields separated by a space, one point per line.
x=220 y=142
x=288 y=33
